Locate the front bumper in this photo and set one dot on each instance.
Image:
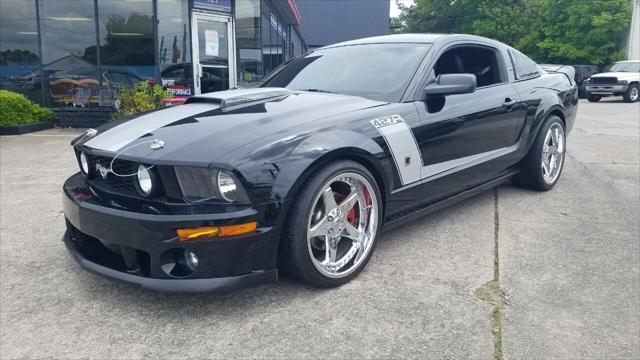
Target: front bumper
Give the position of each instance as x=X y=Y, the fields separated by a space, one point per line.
x=132 y=246
x=606 y=89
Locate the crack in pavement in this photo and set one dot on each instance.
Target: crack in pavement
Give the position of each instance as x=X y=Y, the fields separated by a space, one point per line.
x=491 y=292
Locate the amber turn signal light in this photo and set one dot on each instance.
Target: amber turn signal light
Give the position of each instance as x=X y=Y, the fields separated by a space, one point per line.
x=216 y=231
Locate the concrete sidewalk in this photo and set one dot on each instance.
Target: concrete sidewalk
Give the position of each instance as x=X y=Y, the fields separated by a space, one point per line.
x=570 y=258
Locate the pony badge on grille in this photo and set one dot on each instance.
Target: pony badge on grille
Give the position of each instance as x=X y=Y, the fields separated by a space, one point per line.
x=102 y=170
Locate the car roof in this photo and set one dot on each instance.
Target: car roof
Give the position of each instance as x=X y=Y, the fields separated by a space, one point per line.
x=410 y=38
x=628 y=61
x=398 y=38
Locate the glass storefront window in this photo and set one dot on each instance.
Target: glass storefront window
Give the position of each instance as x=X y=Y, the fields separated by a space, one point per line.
x=19 y=54
x=297 y=46
x=266 y=44
x=80 y=52
x=69 y=52
x=127 y=49
x=248 y=43
x=174 y=44
x=274 y=38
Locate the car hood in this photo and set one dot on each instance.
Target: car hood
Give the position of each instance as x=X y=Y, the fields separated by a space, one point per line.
x=209 y=126
x=620 y=75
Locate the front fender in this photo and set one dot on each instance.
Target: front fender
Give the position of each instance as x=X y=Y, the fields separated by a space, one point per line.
x=321 y=148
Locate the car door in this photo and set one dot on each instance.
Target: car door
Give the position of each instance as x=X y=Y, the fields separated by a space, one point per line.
x=467 y=139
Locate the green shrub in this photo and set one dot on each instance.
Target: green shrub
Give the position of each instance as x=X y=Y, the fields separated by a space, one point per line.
x=144 y=96
x=16 y=109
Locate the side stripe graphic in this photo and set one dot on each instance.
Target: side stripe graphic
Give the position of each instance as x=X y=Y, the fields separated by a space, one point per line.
x=408 y=158
x=119 y=136
x=399 y=137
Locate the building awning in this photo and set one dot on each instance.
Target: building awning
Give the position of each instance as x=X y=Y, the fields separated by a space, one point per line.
x=289 y=11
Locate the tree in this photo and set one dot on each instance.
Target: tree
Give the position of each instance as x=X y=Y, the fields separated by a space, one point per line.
x=514 y=22
x=18 y=56
x=552 y=31
x=440 y=16
x=588 y=32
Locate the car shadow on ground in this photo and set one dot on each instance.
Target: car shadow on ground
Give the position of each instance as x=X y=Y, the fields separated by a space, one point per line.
x=285 y=291
x=613 y=100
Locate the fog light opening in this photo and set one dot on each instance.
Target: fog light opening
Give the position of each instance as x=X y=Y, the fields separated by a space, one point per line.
x=179 y=263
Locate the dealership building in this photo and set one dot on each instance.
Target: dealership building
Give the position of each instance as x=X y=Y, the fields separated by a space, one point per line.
x=326 y=22
x=72 y=53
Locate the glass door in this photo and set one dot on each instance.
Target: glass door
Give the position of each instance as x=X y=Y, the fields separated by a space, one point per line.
x=213 y=53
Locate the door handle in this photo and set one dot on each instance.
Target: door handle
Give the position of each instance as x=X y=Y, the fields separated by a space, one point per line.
x=508 y=103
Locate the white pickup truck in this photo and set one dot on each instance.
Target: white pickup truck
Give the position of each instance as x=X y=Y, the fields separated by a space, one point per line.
x=623 y=79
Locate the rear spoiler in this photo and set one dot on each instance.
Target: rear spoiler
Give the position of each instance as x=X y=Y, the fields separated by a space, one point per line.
x=567 y=70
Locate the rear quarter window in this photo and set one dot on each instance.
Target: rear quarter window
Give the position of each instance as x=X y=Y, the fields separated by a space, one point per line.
x=525 y=68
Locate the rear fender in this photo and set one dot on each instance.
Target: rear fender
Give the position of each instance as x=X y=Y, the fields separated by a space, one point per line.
x=550 y=104
x=562 y=102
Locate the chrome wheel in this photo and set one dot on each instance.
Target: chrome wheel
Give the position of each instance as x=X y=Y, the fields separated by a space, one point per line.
x=553 y=153
x=634 y=93
x=342 y=225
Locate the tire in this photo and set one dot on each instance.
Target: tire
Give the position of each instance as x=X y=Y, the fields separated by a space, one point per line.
x=539 y=175
x=582 y=93
x=593 y=98
x=632 y=94
x=316 y=260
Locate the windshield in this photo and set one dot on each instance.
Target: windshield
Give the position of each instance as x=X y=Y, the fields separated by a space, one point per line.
x=375 y=71
x=626 y=67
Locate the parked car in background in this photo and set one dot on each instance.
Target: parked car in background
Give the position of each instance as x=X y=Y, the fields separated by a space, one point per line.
x=582 y=72
x=623 y=79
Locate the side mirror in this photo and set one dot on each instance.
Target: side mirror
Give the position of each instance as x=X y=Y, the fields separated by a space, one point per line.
x=451 y=84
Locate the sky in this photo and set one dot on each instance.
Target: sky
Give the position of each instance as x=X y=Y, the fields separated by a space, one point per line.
x=394 y=11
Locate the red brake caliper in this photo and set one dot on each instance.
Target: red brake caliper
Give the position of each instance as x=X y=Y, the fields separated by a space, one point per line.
x=351 y=216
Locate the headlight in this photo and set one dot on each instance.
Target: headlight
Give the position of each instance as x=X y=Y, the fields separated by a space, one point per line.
x=227 y=186
x=624 y=82
x=84 y=163
x=145 y=180
x=202 y=184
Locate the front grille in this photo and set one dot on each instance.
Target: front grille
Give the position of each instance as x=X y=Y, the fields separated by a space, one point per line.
x=113 y=183
x=604 y=80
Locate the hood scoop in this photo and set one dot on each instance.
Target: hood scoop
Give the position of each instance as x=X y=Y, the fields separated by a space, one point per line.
x=233 y=98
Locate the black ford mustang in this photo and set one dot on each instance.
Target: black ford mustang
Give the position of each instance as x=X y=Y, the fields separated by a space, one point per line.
x=301 y=174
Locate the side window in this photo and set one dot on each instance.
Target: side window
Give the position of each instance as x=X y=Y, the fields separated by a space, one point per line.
x=481 y=61
x=525 y=67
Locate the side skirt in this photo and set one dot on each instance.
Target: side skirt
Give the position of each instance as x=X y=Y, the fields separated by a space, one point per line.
x=420 y=212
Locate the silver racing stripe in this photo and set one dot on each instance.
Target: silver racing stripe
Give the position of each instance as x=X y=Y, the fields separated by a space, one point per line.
x=432 y=171
x=408 y=157
x=119 y=136
x=404 y=149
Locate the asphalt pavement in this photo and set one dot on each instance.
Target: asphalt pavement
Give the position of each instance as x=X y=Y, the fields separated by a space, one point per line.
x=509 y=273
